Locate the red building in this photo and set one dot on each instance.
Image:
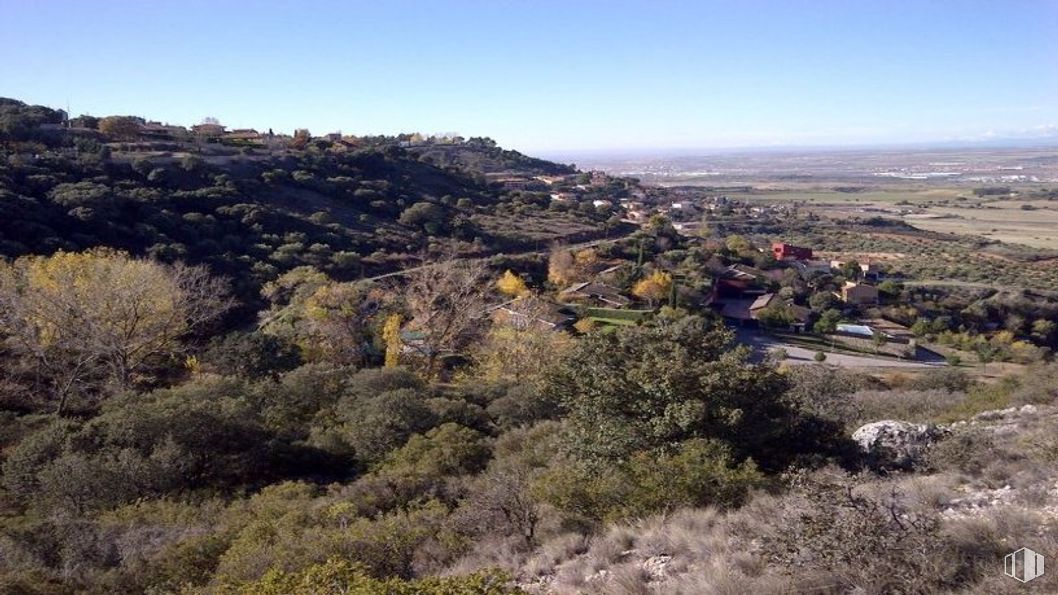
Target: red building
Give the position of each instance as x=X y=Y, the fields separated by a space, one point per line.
x=783 y=251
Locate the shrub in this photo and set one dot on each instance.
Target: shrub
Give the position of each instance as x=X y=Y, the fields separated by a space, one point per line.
x=948 y=379
x=855 y=541
x=251 y=355
x=340 y=577
x=826 y=393
x=966 y=451
x=920 y=406
x=696 y=473
x=653 y=386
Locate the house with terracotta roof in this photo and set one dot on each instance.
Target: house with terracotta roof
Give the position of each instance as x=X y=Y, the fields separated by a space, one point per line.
x=163 y=132
x=242 y=137
x=208 y=131
x=524 y=312
x=859 y=294
x=597 y=293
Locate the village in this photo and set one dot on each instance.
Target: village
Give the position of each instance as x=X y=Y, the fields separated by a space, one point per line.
x=788 y=305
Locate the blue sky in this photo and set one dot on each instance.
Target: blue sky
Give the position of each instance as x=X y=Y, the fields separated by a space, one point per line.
x=546 y=76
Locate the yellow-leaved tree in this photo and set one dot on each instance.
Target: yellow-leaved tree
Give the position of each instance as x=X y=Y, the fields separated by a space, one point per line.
x=82 y=321
x=391 y=336
x=565 y=266
x=512 y=285
x=560 y=266
x=654 y=287
x=520 y=351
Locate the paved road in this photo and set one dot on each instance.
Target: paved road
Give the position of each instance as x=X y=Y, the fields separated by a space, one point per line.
x=761 y=344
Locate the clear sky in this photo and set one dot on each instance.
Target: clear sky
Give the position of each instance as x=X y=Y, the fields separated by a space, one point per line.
x=545 y=76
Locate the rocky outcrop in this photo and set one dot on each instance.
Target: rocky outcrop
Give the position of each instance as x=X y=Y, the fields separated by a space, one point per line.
x=895 y=444
x=1000 y=421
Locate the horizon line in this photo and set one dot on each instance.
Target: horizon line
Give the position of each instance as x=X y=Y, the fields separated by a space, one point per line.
x=1010 y=143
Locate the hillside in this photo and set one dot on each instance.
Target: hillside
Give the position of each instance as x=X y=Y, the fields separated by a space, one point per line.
x=253 y=209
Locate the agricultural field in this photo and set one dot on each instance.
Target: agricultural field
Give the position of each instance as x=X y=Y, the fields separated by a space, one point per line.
x=876 y=198
x=1032 y=223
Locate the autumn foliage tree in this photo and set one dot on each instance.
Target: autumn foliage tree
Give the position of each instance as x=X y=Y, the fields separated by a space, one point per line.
x=653 y=287
x=76 y=320
x=566 y=266
x=511 y=285
x=391 y=337
x=301 y=139
x=520 y=349
x=560 y=266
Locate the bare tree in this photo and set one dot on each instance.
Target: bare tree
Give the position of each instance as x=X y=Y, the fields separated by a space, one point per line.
x=446 y=302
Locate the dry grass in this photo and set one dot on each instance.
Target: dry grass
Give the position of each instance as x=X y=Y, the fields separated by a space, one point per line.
x=986 y=490
x=918 y=406
x=704 y=551
x=1006 y=221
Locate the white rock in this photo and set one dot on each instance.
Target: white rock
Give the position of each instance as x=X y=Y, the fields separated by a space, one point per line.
x=895 y=443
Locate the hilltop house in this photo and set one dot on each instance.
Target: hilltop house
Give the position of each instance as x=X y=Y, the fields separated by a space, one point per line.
x=242 y=137
x=799 y=314
x=207 y=131
x=807 y=268
x=871 y=271
x=737 y=281
x=162 y=132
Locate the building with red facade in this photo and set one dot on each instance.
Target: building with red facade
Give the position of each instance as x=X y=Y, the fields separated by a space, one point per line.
x=783 y=251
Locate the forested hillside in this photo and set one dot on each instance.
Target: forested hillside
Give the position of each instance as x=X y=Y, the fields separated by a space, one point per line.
x=253 y=213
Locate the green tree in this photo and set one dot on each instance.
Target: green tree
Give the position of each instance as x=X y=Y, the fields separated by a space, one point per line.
x=851 y=270
x=120 y=127
x=1043 y=330
x=822 y=301
x=828 y=322
x=426 y=215
x=921 y=327
x=654 y=386
x=778 y=316
x=251 y=355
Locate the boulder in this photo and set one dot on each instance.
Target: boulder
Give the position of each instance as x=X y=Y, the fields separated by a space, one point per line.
x=895 y=444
